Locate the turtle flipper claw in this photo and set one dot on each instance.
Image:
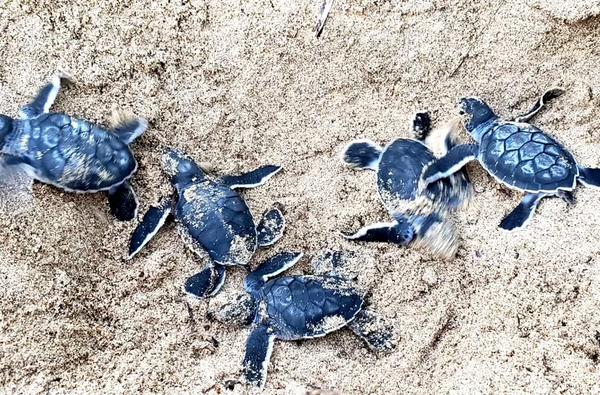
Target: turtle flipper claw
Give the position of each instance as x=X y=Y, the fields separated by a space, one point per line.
x=206 y=283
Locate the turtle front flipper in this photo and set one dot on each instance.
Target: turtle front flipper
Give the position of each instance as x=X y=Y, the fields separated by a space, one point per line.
x=270 y=268
x=421 y=125
x=387 y=232
x=15 y=185
x=259 y=346
x=450 y=163
x=372 y=329
x=362 y=154
x=270 y=228
x=153 y=220
x=521 y=215
x=250 y=179
x=45 y=97
x=206 y=283
x=123 y=202
x=589 y=177
x=128 y=127
x=540 y=103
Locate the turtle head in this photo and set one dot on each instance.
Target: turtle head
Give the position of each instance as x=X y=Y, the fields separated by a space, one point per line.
x=180 y=168
x=6 y=125
x=240 y=312
x=404 y=232
x=475 y=113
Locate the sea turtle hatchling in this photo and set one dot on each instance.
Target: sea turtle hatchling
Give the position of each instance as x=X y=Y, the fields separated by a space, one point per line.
x=69 y=153
x=301 y=307
x=420 y=216
x=212 y=219
x=517 y=154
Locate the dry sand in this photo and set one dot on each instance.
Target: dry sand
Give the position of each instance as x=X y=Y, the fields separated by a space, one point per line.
x=245 y=83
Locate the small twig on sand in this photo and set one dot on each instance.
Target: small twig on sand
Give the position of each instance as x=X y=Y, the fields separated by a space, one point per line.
x=322 y=16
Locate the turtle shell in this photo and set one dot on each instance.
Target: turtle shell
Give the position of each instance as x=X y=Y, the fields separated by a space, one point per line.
x=399 y=172
x=70 y=153
x=525 y=158
x=299 y=307
x=214 y=218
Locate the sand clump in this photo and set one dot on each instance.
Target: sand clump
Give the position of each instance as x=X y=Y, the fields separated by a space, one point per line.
x=244 y=84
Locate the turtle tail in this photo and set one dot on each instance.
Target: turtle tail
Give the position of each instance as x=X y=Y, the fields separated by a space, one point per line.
x=590 y=177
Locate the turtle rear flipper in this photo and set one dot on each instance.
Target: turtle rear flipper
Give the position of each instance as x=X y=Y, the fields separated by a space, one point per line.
x=449 y=164
x=15 y=185
x=540 y=103
x=128 y=127
x=270 y=228
x=259 y=346
x=521 y=215
x=362 y=154
x=44 y=98
x=372 y=329
x=153 y=220
x=123 y=202
x=589 y=177
x=388 y=232
x=250 y=179
x=270 y=268
x=206 y=283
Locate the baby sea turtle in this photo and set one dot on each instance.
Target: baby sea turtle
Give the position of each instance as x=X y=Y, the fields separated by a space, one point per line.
x=212 y=219
x=70 y=153
x=517 y=154
x=301 y=307
x=420 y=216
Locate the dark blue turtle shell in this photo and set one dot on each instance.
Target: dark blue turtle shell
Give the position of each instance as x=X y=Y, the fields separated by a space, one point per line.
x=70 y=153
x=216 y=218
x=524 y=157
x=400 y=168
x=307 y=306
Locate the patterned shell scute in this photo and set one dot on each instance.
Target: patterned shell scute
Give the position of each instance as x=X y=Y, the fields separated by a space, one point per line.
x=399 y=173
x=73 y=154
x=216 y=219
x=524 y=157
x=399 y=169
x=308 y=306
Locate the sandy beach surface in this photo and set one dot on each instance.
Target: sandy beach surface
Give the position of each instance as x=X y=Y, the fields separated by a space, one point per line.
x=240 y=84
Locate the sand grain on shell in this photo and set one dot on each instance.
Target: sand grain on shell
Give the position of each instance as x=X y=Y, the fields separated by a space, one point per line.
x=245 y=84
